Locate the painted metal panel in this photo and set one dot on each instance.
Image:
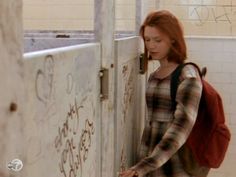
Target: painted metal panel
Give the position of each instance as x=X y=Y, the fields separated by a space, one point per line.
x=11 y=87
x=127 y=101
x=104 y=25
x=62 y=125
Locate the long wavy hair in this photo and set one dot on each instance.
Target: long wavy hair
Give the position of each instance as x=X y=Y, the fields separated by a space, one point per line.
x=169 y=25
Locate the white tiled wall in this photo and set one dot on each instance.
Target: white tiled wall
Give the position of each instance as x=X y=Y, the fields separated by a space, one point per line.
x=219 y=56
x=204 y=17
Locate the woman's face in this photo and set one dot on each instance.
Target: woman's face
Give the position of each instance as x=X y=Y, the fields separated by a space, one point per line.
x=157 y=43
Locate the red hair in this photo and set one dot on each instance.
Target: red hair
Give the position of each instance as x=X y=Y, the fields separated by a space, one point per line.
x=169 y=25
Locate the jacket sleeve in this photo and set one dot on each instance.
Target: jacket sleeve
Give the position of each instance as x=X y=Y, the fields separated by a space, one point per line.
x=143 y=149
x=187 y=98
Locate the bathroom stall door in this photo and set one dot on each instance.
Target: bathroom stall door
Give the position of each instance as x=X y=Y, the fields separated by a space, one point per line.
x=129 y=109
x=62 y=124
x=11 y=87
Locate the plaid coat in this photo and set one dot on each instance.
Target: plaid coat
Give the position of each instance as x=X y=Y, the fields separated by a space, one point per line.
x=166 y=130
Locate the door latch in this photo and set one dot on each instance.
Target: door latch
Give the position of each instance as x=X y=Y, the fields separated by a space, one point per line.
x=104 y=86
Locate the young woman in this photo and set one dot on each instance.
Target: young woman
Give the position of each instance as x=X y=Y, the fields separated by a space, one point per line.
x=166 y=129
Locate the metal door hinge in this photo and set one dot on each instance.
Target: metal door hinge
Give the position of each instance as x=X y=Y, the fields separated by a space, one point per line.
x=104 y=83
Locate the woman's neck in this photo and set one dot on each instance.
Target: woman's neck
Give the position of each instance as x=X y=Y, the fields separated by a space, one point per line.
x=165 y=69
x=166 y=64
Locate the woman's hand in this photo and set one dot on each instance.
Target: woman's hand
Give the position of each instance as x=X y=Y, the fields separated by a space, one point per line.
x=128 y=173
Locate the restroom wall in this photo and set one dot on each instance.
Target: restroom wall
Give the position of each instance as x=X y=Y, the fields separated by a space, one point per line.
x=219 y=56
x=204 y=17
x=73 y=15
x=58 y=14
x=57 y=92
x=199 y=17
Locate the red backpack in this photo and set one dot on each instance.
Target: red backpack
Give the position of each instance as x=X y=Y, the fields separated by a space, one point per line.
x=209 y=138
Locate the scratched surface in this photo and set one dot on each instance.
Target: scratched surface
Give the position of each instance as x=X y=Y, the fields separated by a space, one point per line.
x=204 y=17
x=61 y=126
x=127 y=105
x=11 y=86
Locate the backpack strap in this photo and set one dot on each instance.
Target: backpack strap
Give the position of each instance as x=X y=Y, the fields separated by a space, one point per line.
x=175 y=80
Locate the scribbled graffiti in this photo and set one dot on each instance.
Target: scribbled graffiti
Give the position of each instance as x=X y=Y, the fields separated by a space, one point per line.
x=128 y=88
x=123 y=160
x=44 y=83
x=71 y=124
x=205 y=13
x=70 y=83
x=127 y=100
x=73 y=151
x=210 y=17
x=85 y=140
x=45 y=90
x=70 y=164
